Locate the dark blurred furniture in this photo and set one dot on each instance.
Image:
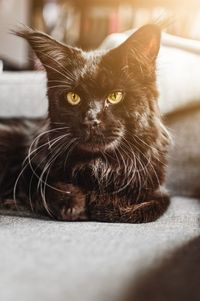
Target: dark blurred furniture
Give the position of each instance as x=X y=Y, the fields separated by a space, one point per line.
x=86 y=23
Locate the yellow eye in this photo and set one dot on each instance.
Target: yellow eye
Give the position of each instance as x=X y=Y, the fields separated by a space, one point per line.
x=73 y=98
x=115 y=97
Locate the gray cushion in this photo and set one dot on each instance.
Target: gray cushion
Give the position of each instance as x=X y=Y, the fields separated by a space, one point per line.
x=183 y=173
x=23 y=94
x=50 y=261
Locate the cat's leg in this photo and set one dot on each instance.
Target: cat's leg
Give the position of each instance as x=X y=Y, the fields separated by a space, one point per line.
x=64 y=202
x=16 y=208
x=115 y=209
x=8 y=204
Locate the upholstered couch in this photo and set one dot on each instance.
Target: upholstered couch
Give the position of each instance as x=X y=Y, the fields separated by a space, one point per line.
x=46 y=260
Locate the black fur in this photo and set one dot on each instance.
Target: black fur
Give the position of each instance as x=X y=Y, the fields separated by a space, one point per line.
x=95 y=160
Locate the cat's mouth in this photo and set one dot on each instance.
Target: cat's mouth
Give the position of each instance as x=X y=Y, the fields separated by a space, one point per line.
x=98 y=143
x=93 y=144
x=91 y=147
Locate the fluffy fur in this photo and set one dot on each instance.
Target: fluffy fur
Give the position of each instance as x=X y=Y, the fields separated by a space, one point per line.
x=96 y=160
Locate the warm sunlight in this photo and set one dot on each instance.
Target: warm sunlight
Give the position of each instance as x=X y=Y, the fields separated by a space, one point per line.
x=99 y=150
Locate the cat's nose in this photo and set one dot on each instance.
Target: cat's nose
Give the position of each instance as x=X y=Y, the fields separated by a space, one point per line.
x=92 y=123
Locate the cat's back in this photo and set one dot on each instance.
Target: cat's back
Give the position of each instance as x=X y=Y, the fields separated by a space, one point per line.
x=16 y=135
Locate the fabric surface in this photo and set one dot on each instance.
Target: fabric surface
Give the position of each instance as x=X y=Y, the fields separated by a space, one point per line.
x=183 y=172
x=1 y=66
x=23 y=94
x=57 y=261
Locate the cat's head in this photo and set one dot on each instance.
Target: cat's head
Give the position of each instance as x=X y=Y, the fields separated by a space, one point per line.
x=100 y=95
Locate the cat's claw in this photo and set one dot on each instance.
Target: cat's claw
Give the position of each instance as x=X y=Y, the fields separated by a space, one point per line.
x=73 y=214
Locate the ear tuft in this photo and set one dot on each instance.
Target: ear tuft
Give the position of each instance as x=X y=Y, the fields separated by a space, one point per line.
x=145 y=42
x=143 y=45
x=50 y=52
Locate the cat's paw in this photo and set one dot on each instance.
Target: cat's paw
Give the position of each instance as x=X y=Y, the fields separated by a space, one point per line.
x=114 y=209
x=68 y=203
x=73 y=213
x=149 y=211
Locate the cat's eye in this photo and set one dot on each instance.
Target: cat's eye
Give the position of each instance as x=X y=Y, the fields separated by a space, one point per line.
x=73 y=98
x=115 y=97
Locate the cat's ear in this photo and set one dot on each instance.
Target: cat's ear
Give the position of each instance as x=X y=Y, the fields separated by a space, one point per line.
x=50 y=52
x=144 y=44
x=146 y=41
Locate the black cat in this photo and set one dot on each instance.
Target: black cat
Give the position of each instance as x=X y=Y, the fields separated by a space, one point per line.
x=101 y=153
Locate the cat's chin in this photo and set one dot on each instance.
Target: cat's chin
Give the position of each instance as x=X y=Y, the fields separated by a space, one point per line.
x=97 y=147
x=91 y=147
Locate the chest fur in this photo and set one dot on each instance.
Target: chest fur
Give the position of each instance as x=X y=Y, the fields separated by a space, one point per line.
x=104 y=176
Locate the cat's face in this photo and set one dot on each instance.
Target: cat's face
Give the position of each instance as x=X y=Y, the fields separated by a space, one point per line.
x=99 y=96
x=91 y=103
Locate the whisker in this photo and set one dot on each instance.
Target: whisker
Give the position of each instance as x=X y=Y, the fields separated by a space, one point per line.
x=30 y=153
x=57 y=86
x=44 y=182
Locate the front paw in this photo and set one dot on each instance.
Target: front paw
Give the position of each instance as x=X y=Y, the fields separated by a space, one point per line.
x=115 y=209
x=67 y=203
x=72 y=213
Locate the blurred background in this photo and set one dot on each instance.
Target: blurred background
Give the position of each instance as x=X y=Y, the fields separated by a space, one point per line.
x=85 y=23
x=46 y=260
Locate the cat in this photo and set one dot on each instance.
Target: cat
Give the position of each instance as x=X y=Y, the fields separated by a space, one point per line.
x=101 y=152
